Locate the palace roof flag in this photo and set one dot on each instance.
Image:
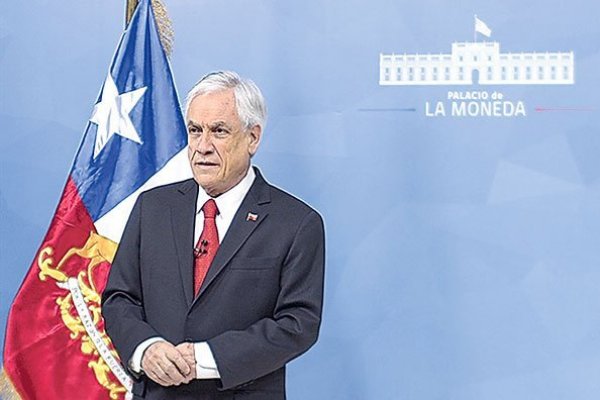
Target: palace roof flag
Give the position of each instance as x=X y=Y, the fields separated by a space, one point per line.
x=56 y=346
x=482 y=27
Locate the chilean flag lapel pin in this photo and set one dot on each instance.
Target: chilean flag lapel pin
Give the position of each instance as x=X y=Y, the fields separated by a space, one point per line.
x=251 y=217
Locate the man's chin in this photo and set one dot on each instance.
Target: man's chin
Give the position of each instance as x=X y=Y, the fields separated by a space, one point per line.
x=208 y=183
x=206 y=173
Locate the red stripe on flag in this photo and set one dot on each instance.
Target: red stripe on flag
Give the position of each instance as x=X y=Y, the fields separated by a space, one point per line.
x=41 y=356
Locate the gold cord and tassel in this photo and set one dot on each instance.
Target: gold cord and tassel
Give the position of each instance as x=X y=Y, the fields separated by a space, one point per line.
x=163 y=22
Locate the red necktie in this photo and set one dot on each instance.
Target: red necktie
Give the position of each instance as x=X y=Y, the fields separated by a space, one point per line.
x=207 y=245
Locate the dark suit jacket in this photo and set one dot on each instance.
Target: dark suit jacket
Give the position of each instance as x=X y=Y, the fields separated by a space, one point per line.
x=258 y=308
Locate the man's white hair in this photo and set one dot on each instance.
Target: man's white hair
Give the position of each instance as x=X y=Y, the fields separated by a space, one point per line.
x=249 y=101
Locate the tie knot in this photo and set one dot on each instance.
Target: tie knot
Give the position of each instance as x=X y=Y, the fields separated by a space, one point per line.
x=210 y=209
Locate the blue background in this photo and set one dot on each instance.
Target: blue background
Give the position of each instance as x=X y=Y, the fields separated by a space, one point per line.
x=463 y=253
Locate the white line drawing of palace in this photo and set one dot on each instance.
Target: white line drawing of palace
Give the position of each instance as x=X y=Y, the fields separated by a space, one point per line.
x=477 y=62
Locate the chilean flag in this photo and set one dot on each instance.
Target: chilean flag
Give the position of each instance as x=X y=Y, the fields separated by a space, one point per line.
x=56 y=346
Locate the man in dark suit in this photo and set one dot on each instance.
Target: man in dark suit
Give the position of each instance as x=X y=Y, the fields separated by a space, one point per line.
x=218 y=280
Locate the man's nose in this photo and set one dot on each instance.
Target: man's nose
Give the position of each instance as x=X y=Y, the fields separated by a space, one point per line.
x=204 y=144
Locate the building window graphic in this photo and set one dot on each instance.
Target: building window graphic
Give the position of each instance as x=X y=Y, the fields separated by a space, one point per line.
x=480 y=60
x=386 y=76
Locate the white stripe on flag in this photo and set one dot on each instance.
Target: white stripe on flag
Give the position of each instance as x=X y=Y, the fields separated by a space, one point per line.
x=112 y=224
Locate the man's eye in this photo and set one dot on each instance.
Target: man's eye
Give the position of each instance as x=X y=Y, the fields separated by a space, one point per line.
x=194 y=131
x=221 y=131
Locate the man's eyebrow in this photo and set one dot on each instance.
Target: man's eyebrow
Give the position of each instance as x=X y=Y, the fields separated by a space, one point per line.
x=193 y=124
x=218 y=124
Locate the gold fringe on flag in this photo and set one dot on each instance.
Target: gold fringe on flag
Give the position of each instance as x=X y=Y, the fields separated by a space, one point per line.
x=7 y=390
x=165 y=27
x=130 y=6
x=163 y=22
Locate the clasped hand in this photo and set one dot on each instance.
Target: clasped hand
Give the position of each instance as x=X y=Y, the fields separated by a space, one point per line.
x=169 y=365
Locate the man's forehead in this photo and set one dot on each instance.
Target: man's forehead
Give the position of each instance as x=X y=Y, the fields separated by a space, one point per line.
x=214 y=107
x=224 y=96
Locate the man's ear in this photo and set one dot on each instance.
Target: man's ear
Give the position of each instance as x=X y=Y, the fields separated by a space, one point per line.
x=254 y=136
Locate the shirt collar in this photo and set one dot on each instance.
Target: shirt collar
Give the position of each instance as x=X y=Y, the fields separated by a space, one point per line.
x=230 y=201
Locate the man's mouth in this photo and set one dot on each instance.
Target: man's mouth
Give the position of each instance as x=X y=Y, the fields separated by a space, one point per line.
x=206 y=164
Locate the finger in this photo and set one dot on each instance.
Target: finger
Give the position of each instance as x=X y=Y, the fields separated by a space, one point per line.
x=192 y=374
x=153 y=354
x=161 y=382
x=187 y=353
x=162 y=374
x=157 y=377
x=170 y=369
x=180 y=362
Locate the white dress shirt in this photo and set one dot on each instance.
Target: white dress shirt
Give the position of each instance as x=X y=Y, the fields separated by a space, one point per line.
x=228 y=204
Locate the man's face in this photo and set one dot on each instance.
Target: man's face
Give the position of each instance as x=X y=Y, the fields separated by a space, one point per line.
x=219 y=148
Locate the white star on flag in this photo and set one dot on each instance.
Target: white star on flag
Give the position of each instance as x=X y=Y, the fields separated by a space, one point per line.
x=112 y=114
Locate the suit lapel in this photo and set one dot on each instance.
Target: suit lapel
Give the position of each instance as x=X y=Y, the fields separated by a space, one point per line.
x=182 y=218
x=256 y=202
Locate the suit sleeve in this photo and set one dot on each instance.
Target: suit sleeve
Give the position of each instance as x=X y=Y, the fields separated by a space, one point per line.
x=122 y=307
x=270 y=343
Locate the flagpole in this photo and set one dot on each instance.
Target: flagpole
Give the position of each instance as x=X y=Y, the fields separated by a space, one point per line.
x=475 y=28
x=130 y=6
